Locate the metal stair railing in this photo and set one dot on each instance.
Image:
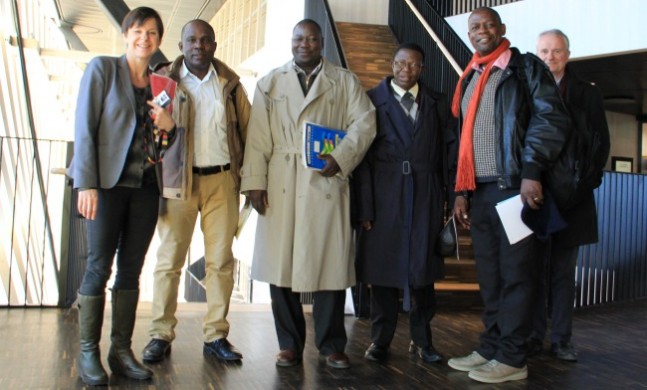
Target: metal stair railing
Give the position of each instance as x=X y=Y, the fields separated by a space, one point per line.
x=446 y=54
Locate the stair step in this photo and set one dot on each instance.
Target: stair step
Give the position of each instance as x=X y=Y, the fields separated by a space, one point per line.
x=368 y=49
x=456 y=286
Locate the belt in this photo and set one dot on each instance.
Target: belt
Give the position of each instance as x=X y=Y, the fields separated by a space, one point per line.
x=210 y=170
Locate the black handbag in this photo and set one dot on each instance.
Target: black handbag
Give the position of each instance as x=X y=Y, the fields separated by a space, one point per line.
x=447 y=242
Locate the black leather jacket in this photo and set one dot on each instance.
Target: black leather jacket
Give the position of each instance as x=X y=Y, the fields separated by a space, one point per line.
x=532 y=123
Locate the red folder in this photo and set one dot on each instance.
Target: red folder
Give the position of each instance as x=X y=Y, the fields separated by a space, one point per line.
x=163 y=89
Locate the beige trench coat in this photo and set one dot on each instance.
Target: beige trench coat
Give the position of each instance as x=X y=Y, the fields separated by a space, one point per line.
x=304 y=241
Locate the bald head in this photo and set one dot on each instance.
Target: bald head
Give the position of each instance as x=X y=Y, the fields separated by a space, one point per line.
x=200 y=22
x=309 y=22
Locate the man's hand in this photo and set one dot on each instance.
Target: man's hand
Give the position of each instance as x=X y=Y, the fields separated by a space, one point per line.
x=259 y=200
x=461 y=211
x=331 y=167
x=367 y=225
x=88 y=203
x=532 y=193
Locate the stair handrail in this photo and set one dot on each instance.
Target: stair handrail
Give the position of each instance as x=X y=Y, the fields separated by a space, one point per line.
x=38 y=168
x=437 y=40
x=335 y=34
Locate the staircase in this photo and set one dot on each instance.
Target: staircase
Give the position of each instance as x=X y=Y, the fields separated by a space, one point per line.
x=368 y=49
x=460 y=272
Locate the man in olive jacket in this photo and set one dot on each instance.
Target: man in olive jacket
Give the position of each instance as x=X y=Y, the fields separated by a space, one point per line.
x=201 y=175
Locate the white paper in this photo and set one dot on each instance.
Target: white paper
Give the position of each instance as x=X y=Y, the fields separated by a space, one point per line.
x=510 y=214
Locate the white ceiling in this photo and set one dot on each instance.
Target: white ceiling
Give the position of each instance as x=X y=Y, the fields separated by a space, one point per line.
x=95 y=28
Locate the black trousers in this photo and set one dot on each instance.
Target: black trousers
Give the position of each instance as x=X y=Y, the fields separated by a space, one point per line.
x=124 y=225
x=556 y=292
x=385 y=307
x=327 y=313
x=506 y=274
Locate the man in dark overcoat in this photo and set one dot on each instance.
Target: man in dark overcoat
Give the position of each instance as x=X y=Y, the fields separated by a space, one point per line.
x=557 y=286
x=400 y=195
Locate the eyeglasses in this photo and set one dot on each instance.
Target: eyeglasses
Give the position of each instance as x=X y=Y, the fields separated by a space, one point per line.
x=399 y=65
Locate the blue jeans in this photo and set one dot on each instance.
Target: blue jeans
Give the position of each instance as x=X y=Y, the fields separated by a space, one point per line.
x=125 y=224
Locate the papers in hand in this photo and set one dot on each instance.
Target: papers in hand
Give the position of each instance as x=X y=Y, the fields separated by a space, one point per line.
x=509 y=211
x=163 y=89
x=317 y=140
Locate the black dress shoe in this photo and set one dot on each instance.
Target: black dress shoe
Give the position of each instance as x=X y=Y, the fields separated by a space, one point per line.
x=534 y=347
x=222 y=349
x=156 y=351
x=564 y=351
x=427 y=354
x=375 y=353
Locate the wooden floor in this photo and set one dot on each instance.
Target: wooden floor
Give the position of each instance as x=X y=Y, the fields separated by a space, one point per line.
x=39 y=347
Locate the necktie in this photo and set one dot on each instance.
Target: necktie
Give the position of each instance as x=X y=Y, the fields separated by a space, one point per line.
x=407 y=101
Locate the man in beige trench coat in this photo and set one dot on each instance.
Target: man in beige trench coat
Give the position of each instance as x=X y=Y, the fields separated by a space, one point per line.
x=303 y=236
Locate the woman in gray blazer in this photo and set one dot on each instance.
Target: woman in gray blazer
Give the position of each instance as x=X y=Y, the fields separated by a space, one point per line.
x=119 y=136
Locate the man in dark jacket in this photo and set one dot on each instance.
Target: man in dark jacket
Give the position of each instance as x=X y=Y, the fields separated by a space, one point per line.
x=400 y=196
x=514 y=126
x=558 y=283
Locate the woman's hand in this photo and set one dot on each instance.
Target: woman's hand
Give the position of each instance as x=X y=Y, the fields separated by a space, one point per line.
x=162 y=118
x=88 y=203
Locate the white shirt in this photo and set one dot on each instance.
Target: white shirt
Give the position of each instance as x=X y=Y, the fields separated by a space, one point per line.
x=399 y=92
x=210 y=122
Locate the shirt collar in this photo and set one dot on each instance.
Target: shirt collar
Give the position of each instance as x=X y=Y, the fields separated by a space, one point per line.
x=501 y=62
x=315 y=71
x=184 y=71
x=401 y=91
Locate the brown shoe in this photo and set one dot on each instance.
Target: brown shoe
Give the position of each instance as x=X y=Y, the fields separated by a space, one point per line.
x=287 y=358
x=337 y=360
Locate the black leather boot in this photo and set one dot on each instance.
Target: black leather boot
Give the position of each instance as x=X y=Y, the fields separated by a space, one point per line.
x=88 y=364
x=121 y=358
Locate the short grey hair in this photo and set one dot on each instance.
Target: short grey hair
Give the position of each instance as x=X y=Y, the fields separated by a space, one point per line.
x=559 y=33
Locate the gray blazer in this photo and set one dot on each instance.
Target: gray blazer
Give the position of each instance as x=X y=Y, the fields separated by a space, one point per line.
x=105 y=122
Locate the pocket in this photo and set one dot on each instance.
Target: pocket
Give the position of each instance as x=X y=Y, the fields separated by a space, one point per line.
x=174 y=165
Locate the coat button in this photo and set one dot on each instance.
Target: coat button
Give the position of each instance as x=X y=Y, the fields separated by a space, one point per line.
x=328 y=196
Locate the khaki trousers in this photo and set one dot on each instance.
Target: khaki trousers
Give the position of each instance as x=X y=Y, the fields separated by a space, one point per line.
x=215 y=199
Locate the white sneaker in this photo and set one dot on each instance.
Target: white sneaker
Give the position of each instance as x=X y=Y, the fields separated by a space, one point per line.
x=467 y=363
x=495 y=372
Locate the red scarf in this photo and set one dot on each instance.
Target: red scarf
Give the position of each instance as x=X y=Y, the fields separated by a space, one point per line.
x=465 y=177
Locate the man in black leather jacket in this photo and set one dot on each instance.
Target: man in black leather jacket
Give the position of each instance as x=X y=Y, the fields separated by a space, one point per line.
x=513 y=127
